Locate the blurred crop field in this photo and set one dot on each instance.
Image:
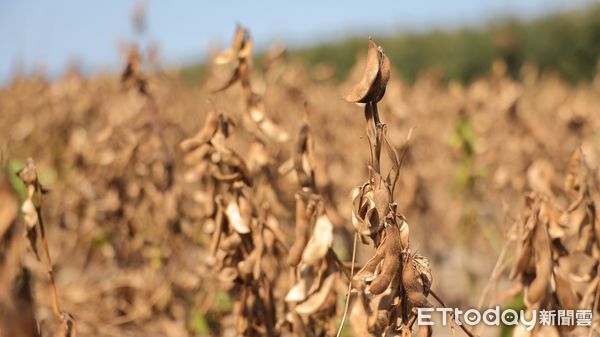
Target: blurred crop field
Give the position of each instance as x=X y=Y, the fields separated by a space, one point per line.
x=173 y=203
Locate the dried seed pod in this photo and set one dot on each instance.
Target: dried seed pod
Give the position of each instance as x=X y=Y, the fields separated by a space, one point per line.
x=316 y=300
x=218 y=232
x=241 y=50
x=381 y=197
x=198 y=154
x=246 y=209
x=308 y=280
x=237 y=44
x=379 y=319
x=230 y=242
x=404 y=235
x=273 y=226
x=211 y=124
x=369 y=88
x=305 y=177
x=524 y=258
x=383 y=77
x=246 y=49
x=298 y=292
x=227 y=277
x=239 y=309
x=236 y=76
x=413 y=285
x=423 y=269
x=234 y=218
x=565 y=294
x=368 y=270
x=132 y=74
x=543 y=266
x=302 y=227
x=257 y=113
x=246 y=267
x=391 y=261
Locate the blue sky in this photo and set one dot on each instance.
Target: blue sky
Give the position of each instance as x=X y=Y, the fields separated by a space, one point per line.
x=51 y=33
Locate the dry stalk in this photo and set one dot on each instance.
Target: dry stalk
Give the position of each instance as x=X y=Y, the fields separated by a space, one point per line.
x=246 y=243
x=32 y=215
x=396 y=281
x=558 y=257
x=240 y=55
x=16 y=298
x=314 y=267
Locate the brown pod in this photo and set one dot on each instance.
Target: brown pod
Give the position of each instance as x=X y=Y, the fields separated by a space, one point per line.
x=564 y=292
x=543 y=266
x=369 y=268
x=198 y=154
x=412 y=285
x=304 y=178
x=205 y=134
x=391 y=261
x=523 y=260
x=381 y=197
x=236 y=161
x=231 y=242
x=239 y=37
x=360 y=91
x=379 y=318
x=216 y=239
x=245 y=52
x=301 y=237
x=383 y=78
x=232 y=80
x=404 y=234
x=246 y=267
x=230 y=54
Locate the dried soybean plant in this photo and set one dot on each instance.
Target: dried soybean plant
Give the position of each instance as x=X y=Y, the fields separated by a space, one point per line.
x=133 y=75
x=240 y=56
x=141 y=161
x=247 y=245
x=34 y=224
x=396 y=281
x=122 y=203
x=558 y=258
x=315 y=268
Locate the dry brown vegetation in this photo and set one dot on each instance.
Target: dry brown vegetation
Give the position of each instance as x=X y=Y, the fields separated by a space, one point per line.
x=230 y=208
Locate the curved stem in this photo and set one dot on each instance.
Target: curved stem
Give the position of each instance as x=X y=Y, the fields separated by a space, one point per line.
x=347 y=305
